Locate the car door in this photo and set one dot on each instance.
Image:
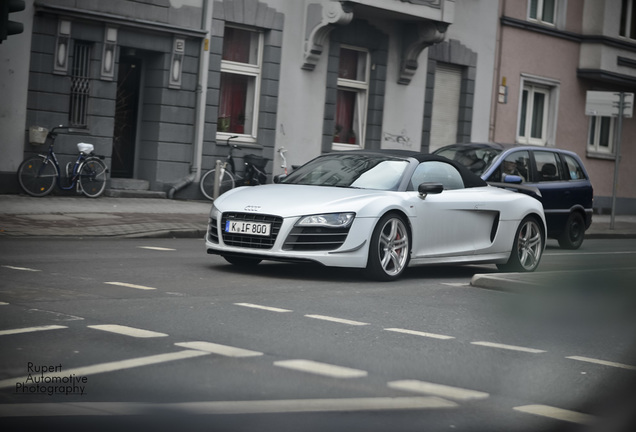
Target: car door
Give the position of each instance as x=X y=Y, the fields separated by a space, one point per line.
x=551 y=180
x=454 y=222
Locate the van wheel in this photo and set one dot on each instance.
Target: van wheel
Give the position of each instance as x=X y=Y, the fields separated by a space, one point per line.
x=574 y=233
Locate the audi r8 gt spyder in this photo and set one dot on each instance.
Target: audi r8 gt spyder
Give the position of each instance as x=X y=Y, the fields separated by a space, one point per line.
x=380 y=210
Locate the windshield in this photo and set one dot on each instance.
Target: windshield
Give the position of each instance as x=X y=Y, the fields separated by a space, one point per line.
x=351 y=170
x=476 y=159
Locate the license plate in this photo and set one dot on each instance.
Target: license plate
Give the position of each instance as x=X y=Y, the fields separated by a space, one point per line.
x=252 y=228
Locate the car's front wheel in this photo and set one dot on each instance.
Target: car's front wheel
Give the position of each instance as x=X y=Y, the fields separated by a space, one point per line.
x=527 y=248
x=574 y=232
x=389 y=251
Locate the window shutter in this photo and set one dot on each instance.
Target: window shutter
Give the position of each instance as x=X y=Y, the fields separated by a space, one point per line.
x=448 y=81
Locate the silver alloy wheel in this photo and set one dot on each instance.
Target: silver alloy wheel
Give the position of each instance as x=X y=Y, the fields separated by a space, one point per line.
x=529 y=245
x=393 y=246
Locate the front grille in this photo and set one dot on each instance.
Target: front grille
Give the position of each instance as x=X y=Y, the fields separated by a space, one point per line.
x=213 y=234
x=248 y=240
x=315 y=239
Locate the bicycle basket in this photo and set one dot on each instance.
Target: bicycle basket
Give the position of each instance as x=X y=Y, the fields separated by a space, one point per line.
x=37 y=135
x=258 y=161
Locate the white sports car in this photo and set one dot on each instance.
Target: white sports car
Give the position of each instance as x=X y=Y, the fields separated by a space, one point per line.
x=379 y=210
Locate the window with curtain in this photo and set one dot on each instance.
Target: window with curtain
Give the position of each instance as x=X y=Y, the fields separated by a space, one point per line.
x=542 y=11
x=240 y=81
x=601 y=135
x=533 y=118
x=351 y=100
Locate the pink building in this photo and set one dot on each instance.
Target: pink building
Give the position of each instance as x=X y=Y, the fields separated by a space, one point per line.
x=549 y=54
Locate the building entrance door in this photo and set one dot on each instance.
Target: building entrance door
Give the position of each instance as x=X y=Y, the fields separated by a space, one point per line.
x=126 y=110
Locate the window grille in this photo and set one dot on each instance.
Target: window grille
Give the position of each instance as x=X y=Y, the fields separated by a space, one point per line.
x=80 y=84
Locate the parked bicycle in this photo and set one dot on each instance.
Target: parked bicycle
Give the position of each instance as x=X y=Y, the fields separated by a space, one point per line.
x=254 y=173
x=39 y=174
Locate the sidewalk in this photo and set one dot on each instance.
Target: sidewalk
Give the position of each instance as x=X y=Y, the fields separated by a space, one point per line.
x=70 y=216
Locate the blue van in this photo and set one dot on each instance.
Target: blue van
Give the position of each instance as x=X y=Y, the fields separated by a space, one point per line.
x=566 y=191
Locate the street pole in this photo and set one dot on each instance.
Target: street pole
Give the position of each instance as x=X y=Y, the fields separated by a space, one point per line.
x=617 y=144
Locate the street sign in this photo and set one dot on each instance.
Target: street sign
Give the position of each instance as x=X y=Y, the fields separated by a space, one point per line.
x=607 y=104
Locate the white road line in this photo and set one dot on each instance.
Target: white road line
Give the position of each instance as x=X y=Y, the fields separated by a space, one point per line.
x=224 y=407
x=509 y=347
x=21 y=268
x=31 y=329
x=556 y=413
x=338 y=320
x=223 y=350
x=419 y=333
x=129 y=285
x=603 y=362
x=323 y=369
x=3 y=304
x=456 y=284
x=127 y=331
x=156 y=248
x=113 y=366
x=437 y=390
x=267 y=308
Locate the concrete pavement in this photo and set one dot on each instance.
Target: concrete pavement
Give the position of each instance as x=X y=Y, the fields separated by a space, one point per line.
x=78 y=216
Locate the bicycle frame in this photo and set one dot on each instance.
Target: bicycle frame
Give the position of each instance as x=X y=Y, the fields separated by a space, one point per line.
x=52 y=157
x=252 y=175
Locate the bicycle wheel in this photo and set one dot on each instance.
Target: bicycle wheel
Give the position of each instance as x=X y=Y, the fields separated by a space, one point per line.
x=226 y=182
x=92 y=177
x=37 y=176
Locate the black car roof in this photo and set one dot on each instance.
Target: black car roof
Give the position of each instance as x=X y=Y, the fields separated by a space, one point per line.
x=470 y=179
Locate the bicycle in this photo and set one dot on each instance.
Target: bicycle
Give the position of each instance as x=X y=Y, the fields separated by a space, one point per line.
x=228 y=178
x=39 y=174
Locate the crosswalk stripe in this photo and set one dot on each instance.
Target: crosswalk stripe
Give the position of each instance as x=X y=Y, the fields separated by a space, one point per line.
x=323 y=369
x=437 y=390
x=223 y=350
x=127 y=331
x=113 y=366
x=224 y=407
x=556 y=413
x=338 y=320
x=267 y=308
x=509 y=347
x=31 y=329
x=419 y=333
x=129 y=285
x=602 y=362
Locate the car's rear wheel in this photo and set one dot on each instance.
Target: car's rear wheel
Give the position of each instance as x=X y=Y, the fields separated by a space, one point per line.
x=242 y=261
x=527 y=248
x=574 y=233
x=389 y=251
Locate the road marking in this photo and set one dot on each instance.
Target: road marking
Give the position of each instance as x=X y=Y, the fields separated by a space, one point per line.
x=323 y=369
x=602 y=362
x=456 y=284
x=224 y=407
x=128 y=285
x=223 y=350
x=156 y=248
x=3 y=304
x=338 y=320
x=509 y=347
x=31 y=329
x=21 y=268
x=437 y=390
x=556 y=413
x=419 y=333
x=127 y=331
x=267 y=308
x=113 y=366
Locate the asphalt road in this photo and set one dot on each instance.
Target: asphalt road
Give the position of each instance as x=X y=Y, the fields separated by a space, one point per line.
x=155 y=332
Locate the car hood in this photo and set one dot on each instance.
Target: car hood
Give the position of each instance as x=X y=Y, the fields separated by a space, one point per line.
x=297 y=200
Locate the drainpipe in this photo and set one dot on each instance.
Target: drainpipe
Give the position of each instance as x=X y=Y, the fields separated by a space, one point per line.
x=202 y=87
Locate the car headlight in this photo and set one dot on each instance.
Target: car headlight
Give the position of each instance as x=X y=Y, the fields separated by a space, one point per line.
x=329 y=220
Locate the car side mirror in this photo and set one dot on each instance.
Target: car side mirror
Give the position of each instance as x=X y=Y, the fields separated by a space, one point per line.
x=514 y=179
x=429 y=188
x=278 y=178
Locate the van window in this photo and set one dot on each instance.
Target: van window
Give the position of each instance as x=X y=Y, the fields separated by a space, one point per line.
x=575 y=172
x=548 y=166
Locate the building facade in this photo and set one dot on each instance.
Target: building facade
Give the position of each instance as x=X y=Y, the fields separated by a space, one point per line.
x=550 y=53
